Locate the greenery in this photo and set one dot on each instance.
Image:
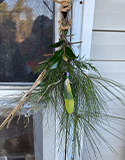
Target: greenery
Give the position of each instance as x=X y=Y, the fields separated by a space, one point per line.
x=91 y=92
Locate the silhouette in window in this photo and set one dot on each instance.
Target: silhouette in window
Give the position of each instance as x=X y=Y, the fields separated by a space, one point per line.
x=33 y=50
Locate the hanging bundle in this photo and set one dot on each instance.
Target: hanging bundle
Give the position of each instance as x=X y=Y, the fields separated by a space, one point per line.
x=80 y=109
x=65 y=20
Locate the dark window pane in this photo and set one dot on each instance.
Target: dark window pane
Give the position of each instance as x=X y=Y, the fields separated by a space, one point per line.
x=17 y=142
x=26 y=29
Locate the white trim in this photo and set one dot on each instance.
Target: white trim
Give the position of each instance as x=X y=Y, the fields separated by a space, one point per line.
x=57 y=36
x=87 y=26
x=38 y=136
x=76 y=25
x=82 y=25
x=57 y=18
x=87 y=19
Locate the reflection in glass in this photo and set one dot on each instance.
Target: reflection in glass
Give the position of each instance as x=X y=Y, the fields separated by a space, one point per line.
x=26 y=29
x=17 y=142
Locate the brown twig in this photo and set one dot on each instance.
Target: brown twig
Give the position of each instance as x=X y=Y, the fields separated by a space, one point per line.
x=70 y=35
x=82 y=71
x=20 y=114
x=76 y=42
x=46 y=55
x=48 y=88
x=47 y=6
x=66 y=41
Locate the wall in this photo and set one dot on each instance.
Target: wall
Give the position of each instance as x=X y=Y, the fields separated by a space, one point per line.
x=108 y=55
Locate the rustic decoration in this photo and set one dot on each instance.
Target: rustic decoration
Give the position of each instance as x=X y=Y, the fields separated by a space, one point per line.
x=78 y=99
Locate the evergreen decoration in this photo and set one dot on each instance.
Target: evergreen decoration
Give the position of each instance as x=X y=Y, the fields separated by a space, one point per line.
x=79 y=100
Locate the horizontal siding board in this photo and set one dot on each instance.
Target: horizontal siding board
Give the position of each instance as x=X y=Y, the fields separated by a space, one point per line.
x=110 y=67
x=119 y=77
x=109 y=14
x=109 y=157
x=107 y=154
x=109 y=21
x=119 y=112
x=108 y=52
x=108 y=46
x=108 y=38
x=110 y=5
x=114 y=141
x=116 y=105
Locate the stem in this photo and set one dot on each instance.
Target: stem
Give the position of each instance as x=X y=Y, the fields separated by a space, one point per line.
x=47 y=6
x=46 y=55
x=82 y=71
x=76 y=42
x=48 y=88
x=70 y=35
x=66 y=140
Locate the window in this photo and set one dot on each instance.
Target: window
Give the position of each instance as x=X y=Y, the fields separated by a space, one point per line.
x=26 y=29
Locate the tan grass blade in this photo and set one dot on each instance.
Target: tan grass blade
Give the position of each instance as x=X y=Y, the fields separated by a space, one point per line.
x=23 y=100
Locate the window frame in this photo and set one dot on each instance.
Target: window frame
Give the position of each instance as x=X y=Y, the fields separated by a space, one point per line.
x=14 y=88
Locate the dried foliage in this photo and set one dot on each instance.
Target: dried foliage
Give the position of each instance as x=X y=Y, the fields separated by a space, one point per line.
x=91 y=92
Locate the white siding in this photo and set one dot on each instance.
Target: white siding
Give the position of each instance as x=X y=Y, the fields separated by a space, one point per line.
x=109 y=15
x=108 y=55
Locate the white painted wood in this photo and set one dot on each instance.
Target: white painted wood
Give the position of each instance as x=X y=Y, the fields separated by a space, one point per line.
x=87 y=25
x=109 y=14
x=108 y=38
x=108 y=46
x=111 y=20
x=108 y=155
x=110 y=67
x=108 y=49
x=108 y=55
x=86 y=35
x=77 y=16
x=119 y=77
x=77 y=19
x=108 y=52
x=49 y=136
x=57 y=18
x=38 y=136
x=110 y=5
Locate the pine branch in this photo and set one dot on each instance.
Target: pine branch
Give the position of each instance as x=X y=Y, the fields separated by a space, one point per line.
x=49 y=87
